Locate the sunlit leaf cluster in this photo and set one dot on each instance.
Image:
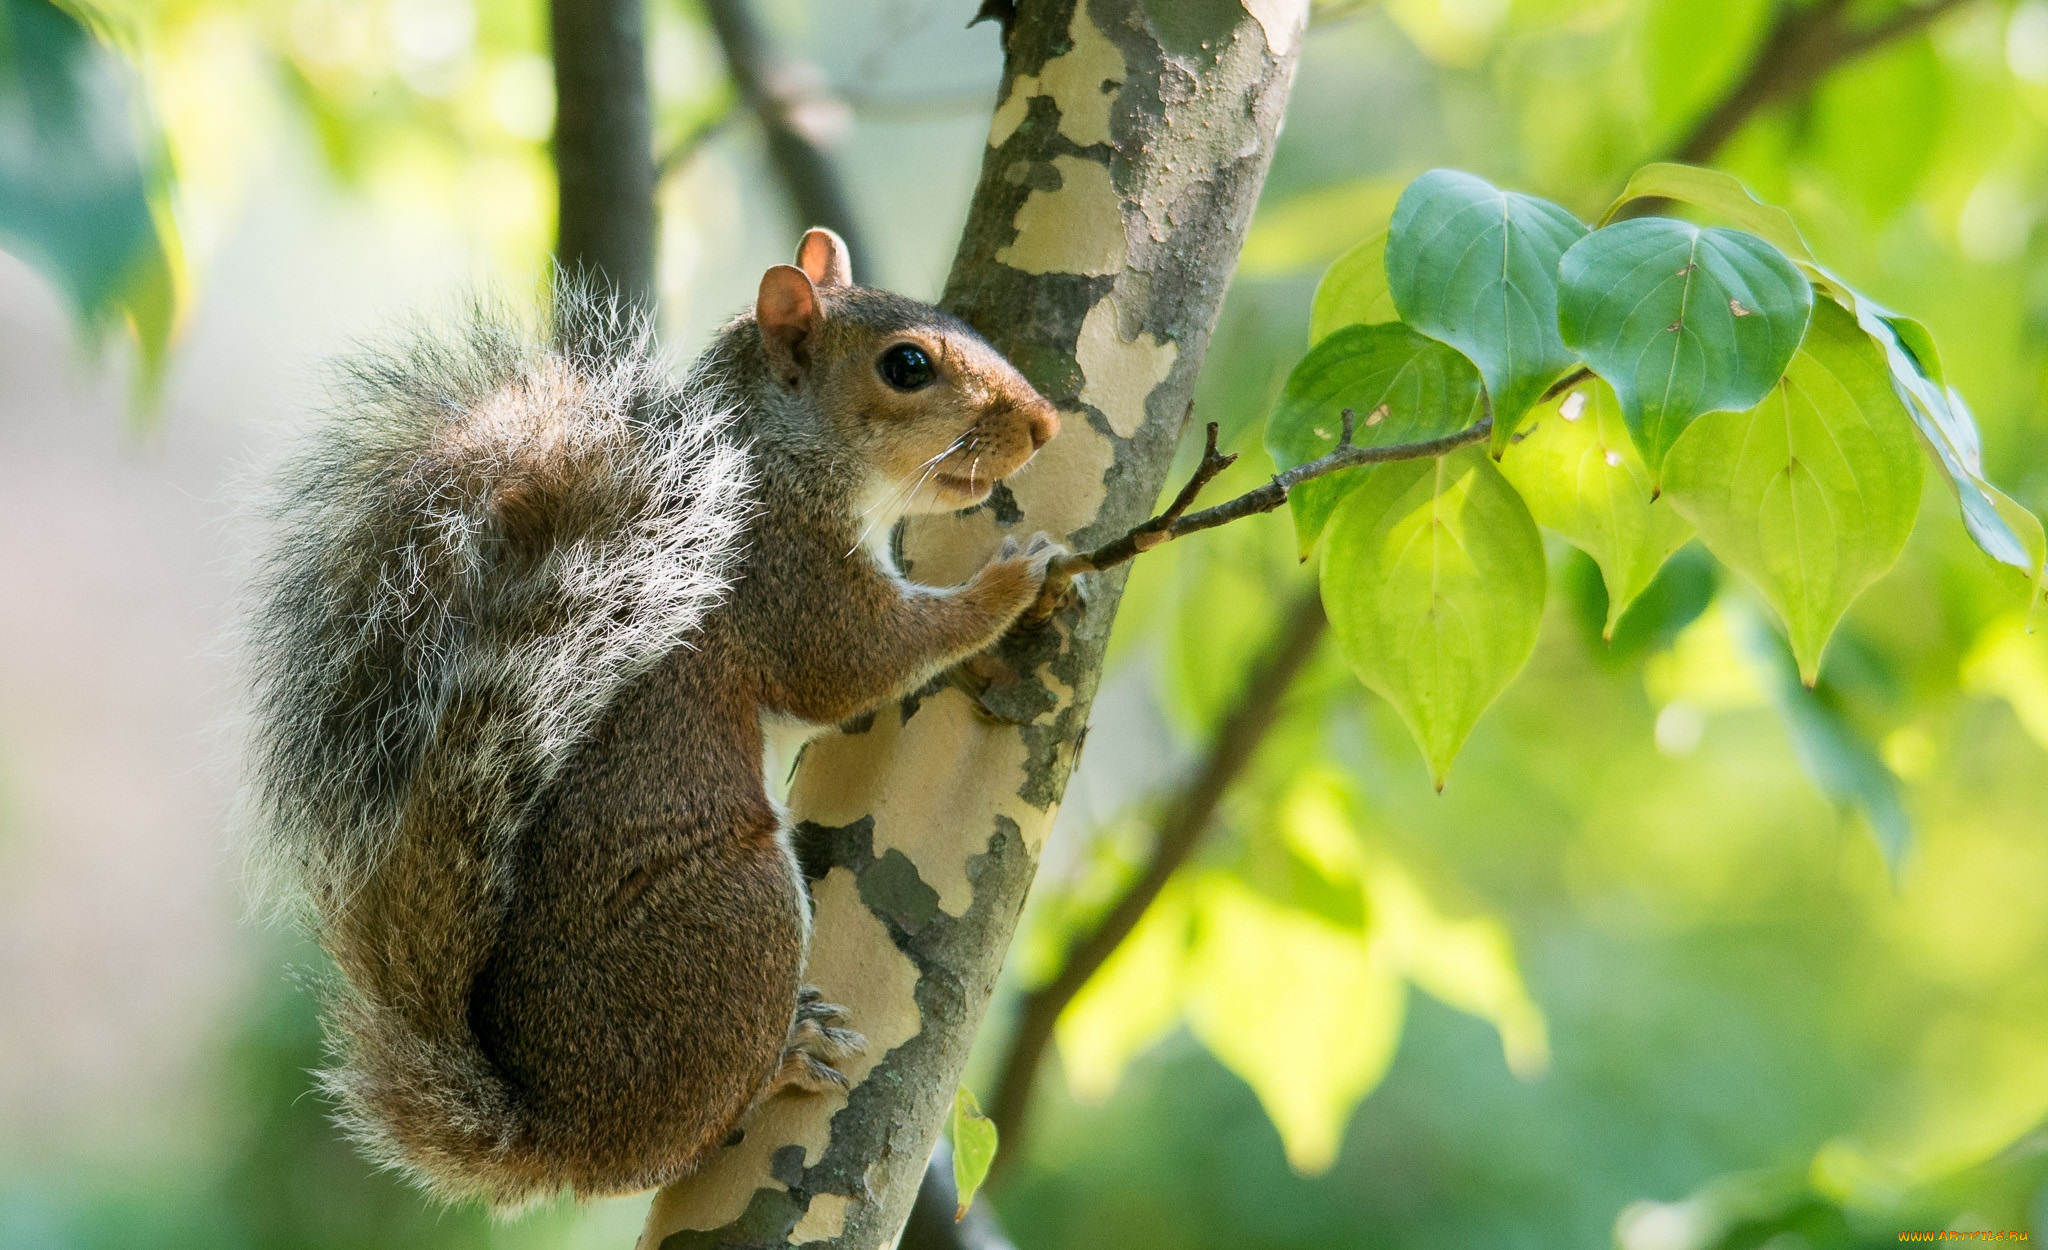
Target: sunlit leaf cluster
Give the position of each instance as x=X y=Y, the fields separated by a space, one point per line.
x=1647 y=381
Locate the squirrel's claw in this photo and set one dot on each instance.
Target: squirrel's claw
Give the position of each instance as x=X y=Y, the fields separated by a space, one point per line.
x=815 y=1045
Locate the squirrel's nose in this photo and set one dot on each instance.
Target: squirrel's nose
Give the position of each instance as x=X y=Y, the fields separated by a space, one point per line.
x=1043 y=421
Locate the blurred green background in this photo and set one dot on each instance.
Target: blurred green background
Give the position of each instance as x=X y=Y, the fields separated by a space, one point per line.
x=1634 y=979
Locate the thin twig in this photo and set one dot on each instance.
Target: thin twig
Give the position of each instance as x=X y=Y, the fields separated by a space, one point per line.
x=1177 y=522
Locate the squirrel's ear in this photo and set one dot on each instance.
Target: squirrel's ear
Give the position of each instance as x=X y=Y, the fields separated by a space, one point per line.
x=787 y=312
x=823 y=255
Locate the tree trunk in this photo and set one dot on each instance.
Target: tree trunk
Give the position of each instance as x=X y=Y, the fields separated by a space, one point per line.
x=604 y=145
x=1123 y=165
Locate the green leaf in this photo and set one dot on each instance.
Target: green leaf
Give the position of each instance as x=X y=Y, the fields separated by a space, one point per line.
x=1842 y=764
x=1433 y=577
x=1131 y=1002
x=1680 y=320
x=1400 y=387
x=974 y=1147
x=1353 y=292
x=1996 y=524
x=2000 y=527
x=1308 y=1014
x=1811 y=494
x=1579 y=473
x=78 y=181
x=1476 y=267
x=1717 y=192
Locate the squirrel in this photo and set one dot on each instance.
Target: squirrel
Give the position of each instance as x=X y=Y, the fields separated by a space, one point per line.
x=536 y=617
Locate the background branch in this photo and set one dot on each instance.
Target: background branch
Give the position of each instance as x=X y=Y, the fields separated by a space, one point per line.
x=797 y=115
x=1188 y=816
x=1804 y=45
x=604 y=145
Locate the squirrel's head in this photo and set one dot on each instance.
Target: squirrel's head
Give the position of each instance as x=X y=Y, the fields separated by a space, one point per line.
x=935 y=413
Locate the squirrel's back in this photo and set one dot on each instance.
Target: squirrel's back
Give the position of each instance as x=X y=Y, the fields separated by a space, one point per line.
x=488 y=540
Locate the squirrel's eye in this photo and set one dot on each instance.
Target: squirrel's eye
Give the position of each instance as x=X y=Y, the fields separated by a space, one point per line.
x=905 y=367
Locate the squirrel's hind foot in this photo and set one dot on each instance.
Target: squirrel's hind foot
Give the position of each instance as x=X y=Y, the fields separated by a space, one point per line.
x=816 y=1044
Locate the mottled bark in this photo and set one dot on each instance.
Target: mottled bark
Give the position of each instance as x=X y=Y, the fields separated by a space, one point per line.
x=1124 y=161
x=604 y=145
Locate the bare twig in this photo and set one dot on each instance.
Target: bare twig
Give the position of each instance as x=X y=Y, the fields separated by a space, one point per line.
x=1187 y=818
x=797 y=115
x=1172 y=524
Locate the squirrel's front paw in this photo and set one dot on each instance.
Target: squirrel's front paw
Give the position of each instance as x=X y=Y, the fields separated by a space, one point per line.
x=1025 y=563
x=816 y=1046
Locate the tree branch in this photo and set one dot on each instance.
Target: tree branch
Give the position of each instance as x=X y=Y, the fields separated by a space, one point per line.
x=604 y=145
x=692 y=141
x=1804 y=45
x=797 y=114
x=1172 y=524
x=1187 y=818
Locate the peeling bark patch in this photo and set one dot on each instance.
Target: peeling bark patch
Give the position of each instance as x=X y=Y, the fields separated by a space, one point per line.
x=965 y=542
x=1082 y=81
x=1064 y=488
x=1282 y=20
x=924 y=822
x=767 y=1221
x=1118 y=374
x=862 y=970
x=1078 y=228
x=825 y=1220
x=893 y=888
x=731 y=1186
x=1193 y=28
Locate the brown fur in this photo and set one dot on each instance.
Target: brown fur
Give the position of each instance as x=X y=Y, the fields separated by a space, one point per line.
x=584 y=975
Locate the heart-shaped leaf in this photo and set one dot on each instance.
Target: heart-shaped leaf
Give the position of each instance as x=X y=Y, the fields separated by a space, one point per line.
x=974 y=1147
x=1353 y=291
x=1433 y=578
x=1476 y=267
x=1812 y=493
x=1719 y=193
x=2003 y=529
x=1325 y=1018
x=1400 y=387
x=1681 y=321
x=1580 y=475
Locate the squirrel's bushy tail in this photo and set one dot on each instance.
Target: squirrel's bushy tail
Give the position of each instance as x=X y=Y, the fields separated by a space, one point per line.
x=489 y=537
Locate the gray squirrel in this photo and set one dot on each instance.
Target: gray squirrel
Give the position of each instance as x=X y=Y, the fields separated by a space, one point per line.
x=535 y=613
